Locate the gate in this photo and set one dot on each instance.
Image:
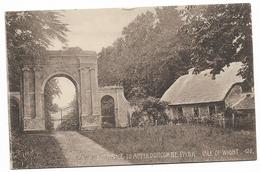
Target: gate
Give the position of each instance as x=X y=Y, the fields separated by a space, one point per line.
x=65 y=119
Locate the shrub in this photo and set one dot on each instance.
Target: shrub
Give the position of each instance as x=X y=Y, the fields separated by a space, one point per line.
x=183 y=119
x=150 y=112
x=209 y=120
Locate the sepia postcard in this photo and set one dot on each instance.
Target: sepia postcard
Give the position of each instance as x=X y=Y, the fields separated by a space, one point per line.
x=128 y=86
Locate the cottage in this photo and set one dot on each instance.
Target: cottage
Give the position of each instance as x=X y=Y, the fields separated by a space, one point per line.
x=199 y=95
x=244 y=111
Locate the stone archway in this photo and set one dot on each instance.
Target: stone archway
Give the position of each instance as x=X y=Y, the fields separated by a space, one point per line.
x=81 y=68
x=66 y=120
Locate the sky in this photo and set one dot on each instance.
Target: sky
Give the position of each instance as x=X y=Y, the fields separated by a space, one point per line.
x=93 y=29
x=68 y=91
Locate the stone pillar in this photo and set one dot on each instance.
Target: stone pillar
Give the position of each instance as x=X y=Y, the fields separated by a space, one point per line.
x=26 y=93
x=84 y=91
x=39 y=120
x=116 y=106
x=88 y=93
x=37 y=90
x=93 y=82
x=33 y=118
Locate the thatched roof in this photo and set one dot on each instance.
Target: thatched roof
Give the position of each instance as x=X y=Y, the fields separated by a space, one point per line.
x=201 y=88
x=248 y=102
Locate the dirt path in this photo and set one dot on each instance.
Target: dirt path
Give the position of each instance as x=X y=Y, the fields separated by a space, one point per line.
x=82 y=151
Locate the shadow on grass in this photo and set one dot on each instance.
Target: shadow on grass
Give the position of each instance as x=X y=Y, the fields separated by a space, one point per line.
x=35 y=150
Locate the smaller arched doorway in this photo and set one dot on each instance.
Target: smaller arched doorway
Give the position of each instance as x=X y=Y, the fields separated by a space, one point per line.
x=14 y=114
x=61 y=111
x=107 y=112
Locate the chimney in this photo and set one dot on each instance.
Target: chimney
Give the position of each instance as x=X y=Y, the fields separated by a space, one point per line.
x=191 y=71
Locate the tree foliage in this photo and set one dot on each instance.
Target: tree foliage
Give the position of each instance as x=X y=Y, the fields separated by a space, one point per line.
x=145 y=59
x=29 y=33
x=219 y=35
x=158 y=47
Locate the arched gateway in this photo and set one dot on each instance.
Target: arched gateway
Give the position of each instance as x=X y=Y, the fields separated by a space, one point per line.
x=81 y=69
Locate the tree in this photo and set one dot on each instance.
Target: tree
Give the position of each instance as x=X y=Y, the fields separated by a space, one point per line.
x=219 y=35
x=145 y=60
x=28 y=36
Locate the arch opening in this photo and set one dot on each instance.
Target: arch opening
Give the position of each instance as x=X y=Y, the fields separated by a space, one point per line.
x=61 y=103
x=107 y=112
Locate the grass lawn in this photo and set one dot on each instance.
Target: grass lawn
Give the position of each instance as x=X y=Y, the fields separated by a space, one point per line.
x=186 y=143
x=35 y=151
x=161 y=144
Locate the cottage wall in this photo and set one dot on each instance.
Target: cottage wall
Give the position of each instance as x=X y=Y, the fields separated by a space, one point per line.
x=245 y=119
x=188 y=110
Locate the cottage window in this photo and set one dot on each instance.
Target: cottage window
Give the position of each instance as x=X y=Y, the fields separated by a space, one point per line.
x=196 y=111
x=220 y=108
x=212 y=109
x=180 y=110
